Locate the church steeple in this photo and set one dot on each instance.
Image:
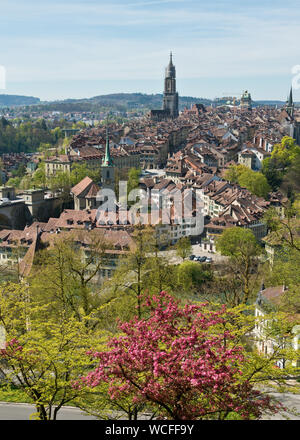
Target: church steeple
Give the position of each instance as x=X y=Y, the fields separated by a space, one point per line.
x=290 y=100
x=170 y=70
x=170 y=95
x=290 y=104
x=107 y=161
x=107 y=168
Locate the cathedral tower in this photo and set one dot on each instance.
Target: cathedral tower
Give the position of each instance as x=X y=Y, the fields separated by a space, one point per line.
x=170 y=102
x=290 y=104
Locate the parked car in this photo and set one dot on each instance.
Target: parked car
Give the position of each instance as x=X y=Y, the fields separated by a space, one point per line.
x=208 y=260
x=200 y=259
x=192 y=257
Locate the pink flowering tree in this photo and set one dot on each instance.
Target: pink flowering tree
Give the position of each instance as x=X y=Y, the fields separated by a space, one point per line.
x=180 y=363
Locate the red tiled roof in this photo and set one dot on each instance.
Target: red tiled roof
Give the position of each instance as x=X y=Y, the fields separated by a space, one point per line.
x=93 y=191
x=81 y=186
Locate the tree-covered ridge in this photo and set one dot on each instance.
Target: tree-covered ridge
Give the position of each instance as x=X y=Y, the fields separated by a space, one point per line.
x=17 y=136
x=17 y=100
x=118 y=102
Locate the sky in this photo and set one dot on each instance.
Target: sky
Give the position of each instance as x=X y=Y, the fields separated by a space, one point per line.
x=59 y=49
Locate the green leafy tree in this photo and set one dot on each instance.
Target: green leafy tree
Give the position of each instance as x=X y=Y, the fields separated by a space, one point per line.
x=66 y=276
x=285 y=269
x=191 y=275
x=291 y=180
x=135 y=268
x=285 y=152
x=133 y=178
x=41 y=356
x=80 y=171
x=21 y=171
x=39 y=177
x=254 y=181
x=183 y=247
x=272 y=173
x=14 y=181
x=240 y=245
x=61 y=183
x=234 y=171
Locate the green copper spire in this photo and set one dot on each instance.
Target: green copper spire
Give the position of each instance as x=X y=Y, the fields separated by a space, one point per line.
x=107 y=161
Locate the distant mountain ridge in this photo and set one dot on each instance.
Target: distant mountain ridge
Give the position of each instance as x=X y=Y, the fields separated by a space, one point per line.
x=115 y=101
x=125 y=101
x=135 y=101
x=17 y=100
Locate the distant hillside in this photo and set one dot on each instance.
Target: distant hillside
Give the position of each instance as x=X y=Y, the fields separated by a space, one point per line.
x=17 y=100
x=140 y=100
x=116 y=101
x=273 y=103
x=120 y=102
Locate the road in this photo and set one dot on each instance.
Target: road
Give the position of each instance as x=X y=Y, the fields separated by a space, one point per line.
x=288 y=400
x=22 y=411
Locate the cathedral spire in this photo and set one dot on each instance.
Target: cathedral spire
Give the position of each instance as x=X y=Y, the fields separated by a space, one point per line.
x=290 y=104
x=170 y=70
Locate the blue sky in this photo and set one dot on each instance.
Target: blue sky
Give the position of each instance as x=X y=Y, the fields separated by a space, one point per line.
x=73 y=48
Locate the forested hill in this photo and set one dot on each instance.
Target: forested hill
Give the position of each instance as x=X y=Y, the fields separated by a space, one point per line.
x=139 y=100
x=17 y=100
x=118 y=102
x=131 y=101
x=26 y=136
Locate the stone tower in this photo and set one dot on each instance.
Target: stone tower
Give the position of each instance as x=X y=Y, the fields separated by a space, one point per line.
x=246 y=101
x=170 y=102
x=107 y=168
x=290 y=104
